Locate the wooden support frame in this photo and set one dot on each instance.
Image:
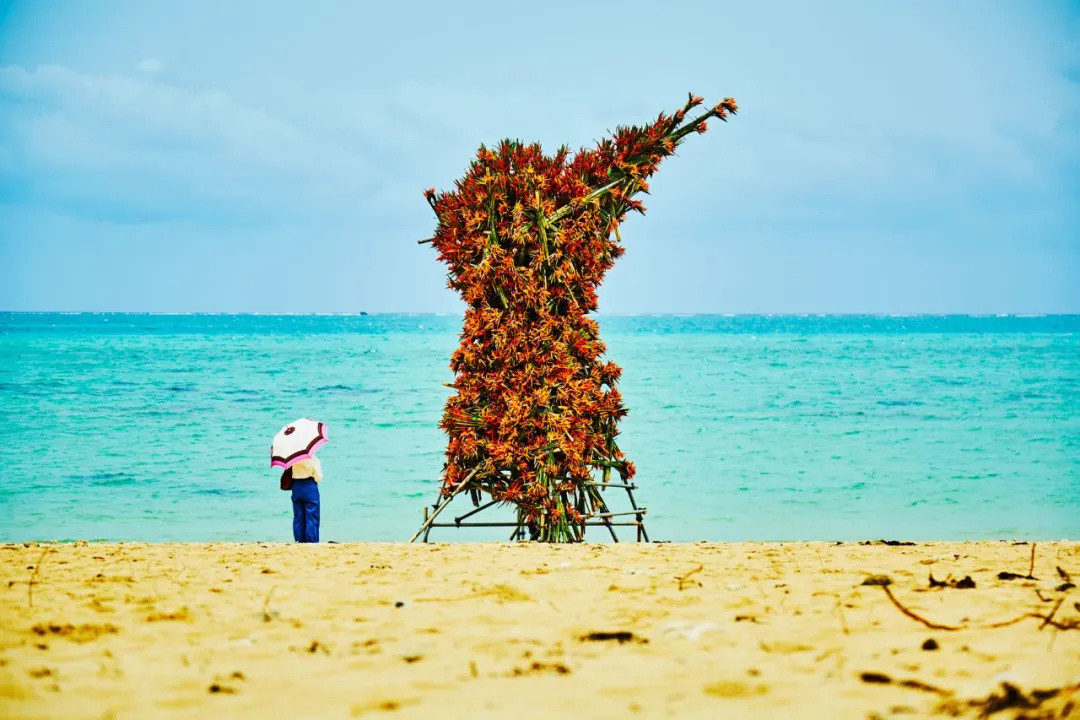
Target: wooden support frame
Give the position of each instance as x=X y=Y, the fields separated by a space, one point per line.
x=601 y=516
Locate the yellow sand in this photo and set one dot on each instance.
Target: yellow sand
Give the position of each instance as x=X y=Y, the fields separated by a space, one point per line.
x=495 y=630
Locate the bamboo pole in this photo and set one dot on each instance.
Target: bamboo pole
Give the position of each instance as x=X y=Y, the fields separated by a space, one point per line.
x=518 y=532
x=514 y=525
x=485 y=506
x=606 y=475
x=642 y=535
x=642 y=511
x=430 y=521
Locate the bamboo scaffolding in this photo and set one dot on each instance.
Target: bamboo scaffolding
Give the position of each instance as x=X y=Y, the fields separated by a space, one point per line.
x=640 y=512
x=514 y=525
x=588 y=501
x=474 y=511
x=429 y=520
x=527 y=239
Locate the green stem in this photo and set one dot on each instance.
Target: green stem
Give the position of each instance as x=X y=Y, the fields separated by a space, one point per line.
x=677 y=135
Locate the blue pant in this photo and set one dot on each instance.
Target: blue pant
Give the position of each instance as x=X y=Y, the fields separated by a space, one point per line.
x=305 y=505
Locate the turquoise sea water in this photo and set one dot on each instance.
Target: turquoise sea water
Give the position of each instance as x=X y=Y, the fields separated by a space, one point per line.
x=156 y=427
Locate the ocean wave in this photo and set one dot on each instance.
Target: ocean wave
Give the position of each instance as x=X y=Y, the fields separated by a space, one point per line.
x=108 y=479
x=1016 y=397
x=187 y=387
x=221 y=491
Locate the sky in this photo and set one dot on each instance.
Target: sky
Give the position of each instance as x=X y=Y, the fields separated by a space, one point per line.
x=888 y=157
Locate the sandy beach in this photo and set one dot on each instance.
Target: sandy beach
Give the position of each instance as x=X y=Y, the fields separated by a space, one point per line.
x=523 y=630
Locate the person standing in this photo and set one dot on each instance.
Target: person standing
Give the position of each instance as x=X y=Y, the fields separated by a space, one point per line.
x=303 y=479
x=293 y=450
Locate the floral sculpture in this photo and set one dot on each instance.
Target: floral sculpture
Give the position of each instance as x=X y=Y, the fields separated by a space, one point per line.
x=528 y=238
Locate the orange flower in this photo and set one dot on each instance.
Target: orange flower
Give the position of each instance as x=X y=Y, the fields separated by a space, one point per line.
x=527 y=239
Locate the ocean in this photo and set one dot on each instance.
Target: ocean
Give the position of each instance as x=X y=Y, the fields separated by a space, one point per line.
x=157 y=427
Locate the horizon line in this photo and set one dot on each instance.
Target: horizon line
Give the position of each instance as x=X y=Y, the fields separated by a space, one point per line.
x=169 y=313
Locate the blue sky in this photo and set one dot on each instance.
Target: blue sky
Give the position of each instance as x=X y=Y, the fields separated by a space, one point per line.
x=270 y=157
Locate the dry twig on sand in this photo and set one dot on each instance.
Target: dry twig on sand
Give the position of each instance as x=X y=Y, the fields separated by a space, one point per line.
x=33 y=577
x=684 y=578
x=1006 y=575
x=1050 y=617
x=913 y=616
x=1071 y=624
x=267 y=616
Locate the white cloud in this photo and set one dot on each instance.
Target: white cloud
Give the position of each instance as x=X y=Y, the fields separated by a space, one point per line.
x=149 y=66
x=80 y=139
